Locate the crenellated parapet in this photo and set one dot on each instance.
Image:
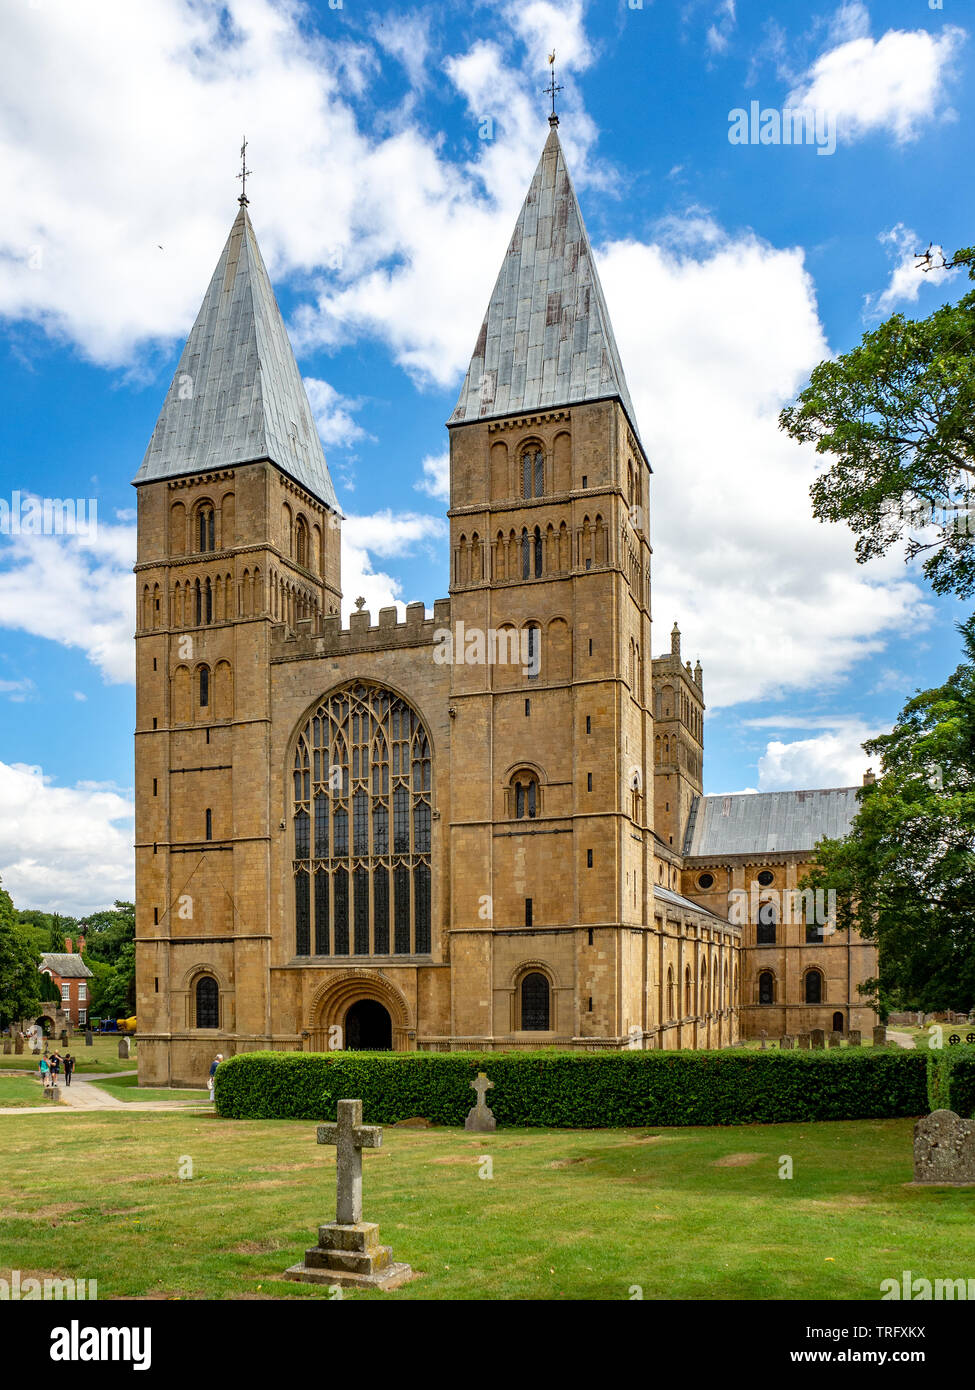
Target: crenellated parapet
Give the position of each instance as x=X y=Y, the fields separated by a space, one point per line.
x=324 y=635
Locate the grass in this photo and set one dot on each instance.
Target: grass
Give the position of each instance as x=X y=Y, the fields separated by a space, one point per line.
x=20 y=1090
x=102 y=1056
x=684 y=1214
x=127 y=1088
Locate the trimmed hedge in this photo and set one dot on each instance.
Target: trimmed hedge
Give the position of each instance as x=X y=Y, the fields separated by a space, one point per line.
x=951 y=1080
x=579 y=1090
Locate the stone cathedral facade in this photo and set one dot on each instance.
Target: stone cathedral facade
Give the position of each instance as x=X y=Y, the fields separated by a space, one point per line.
x=484 y=828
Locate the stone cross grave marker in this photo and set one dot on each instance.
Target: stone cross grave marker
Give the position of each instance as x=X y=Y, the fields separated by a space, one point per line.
x=348 y=1252
x=480 y=1117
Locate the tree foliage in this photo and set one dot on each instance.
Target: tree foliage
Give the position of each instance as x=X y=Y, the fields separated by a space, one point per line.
x=896 y=415
x=905 y=875
x=20 y=980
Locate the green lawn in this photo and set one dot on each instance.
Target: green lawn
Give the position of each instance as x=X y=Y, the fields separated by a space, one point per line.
x=688 y=1213
x=128 y=1088
x=20 y=1090
x=102 y=1056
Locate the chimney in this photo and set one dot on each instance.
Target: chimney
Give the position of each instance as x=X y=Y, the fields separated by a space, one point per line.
x=869 y=777
x=81 y=945
x=67 y=944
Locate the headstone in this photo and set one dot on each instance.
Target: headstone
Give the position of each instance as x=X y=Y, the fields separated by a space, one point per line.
x=88 y=1038
x=480 y=1118
x=123 y=1049
x=7 y=1047
x=944 y=1149
x=817 y=1038
x=52 y=1093
x=854 y=1037
x=880 y=1035
x=19 y=1047
x=803 y=1040
x=836 y=1038
x=764 y=1040
x=348 y=1252
x=786 y=1042
x=64 y=1035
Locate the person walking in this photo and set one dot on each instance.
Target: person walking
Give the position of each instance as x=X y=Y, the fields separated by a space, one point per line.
x=45 y=1072
x=68 y=1068
x=55 y=1067
x=213 y=1071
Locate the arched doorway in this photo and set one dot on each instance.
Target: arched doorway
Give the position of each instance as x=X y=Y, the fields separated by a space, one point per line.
x=368 y=1027
x=837 y=1022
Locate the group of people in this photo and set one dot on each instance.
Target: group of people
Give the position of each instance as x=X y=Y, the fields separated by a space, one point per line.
x=52 y=1066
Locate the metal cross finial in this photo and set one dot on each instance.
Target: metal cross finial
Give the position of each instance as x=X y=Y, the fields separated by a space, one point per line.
x=552 y=88
x=244 y=171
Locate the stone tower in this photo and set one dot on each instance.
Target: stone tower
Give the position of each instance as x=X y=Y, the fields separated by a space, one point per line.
x=238 y=530
x=678 y=755
x=549 y=486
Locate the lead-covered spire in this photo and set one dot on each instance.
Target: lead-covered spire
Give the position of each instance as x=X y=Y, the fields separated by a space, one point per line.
x=546 y=339
x=237 y=395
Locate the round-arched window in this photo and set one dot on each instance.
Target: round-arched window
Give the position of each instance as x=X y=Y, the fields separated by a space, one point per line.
x=535 y=997
x=207 y=1002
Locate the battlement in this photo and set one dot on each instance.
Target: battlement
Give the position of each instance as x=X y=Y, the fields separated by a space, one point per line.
x=324 y=635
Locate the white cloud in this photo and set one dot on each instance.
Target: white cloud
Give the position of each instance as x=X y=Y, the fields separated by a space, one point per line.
x=851 y=21
x=406 y=37
x=714 y=346
x=333 y=414
x=66 y=849
x=385 y=534
x=436 y=476
x=17 y=691
x=833 y=758
x=906 y=279
x=76 y=590
x=897 y=83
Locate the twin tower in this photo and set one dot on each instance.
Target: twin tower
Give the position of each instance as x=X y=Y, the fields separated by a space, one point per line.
x=346 y=840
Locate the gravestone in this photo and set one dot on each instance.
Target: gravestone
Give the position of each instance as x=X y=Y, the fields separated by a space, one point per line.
x=88 y=1038
x=817 y=1038
x=19 y=1047
x=854 y=1037
x=348 y=1250
x=880 y=1035
x=944 y=1149
x=836 y=1038
x=64 y=1035
x=123 y=1049
x=803 y=1040
x=480 y=1117
x=787 y=1042
x=7 y=1047
x=52 y=1093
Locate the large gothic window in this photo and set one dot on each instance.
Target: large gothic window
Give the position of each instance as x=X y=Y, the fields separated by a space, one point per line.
x=362 y=785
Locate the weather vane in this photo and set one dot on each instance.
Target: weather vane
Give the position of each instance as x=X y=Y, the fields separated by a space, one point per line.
x=552 y=88
x=244 y=171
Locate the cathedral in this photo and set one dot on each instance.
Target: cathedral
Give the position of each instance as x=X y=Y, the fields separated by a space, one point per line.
x=483 y=828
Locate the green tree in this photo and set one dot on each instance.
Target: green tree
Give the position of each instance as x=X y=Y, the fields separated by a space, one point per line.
x=20 y=980
x=897 y=418
x=108 y=931
x=57 y=934
x=905 y=875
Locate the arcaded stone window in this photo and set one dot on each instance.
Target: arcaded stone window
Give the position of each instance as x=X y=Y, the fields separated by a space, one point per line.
x=535 y=1003
x=207 y=1002
x=532 y=472
x=814 y=987
x=362 y=787
x=205 y=527
x=525 y=798
x=766 y=987
x=765 y=930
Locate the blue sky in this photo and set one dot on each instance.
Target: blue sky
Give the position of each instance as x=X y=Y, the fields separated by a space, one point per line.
x=391 y=147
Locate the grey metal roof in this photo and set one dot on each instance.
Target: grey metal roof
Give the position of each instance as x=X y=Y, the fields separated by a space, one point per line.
x=669 y=896
x=765 y=822
x=546 y=339
x=66 y=966
x=237 y=394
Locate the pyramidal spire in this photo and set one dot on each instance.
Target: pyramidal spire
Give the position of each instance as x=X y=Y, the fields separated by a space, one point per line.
x=237 y=395
x=546 y=339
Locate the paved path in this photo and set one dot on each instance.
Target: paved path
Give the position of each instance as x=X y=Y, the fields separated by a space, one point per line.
x=83 y=1094
x=901 y=1039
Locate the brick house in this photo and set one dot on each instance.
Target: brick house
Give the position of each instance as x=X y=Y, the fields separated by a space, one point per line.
x=71 y=975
